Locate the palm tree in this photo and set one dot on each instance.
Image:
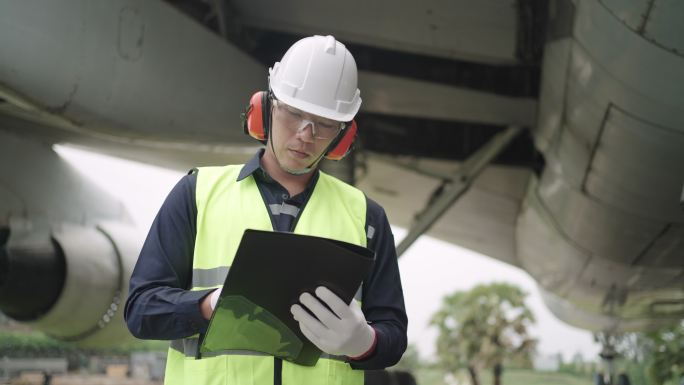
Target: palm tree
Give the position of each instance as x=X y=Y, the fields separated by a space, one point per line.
x=482 y=327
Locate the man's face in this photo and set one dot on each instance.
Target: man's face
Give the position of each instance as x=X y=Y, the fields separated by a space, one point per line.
x=299 y=138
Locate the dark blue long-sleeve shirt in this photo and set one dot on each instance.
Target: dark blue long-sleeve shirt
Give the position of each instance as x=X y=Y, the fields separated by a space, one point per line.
x=161 y=306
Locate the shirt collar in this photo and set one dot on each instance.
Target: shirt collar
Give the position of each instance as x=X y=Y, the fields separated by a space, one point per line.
x=254 y=166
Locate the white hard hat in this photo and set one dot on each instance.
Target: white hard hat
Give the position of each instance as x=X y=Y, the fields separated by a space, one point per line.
x=318 y=75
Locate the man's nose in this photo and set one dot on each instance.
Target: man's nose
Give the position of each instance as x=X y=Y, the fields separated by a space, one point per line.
x=306 y=131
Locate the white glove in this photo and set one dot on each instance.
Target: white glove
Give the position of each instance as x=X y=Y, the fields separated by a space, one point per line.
x=214 y=298
x=344 y=332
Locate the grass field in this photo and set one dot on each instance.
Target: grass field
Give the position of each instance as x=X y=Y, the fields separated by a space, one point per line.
x=510 y=377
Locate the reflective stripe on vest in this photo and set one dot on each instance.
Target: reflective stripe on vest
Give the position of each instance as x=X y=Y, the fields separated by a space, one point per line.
x=225 y=209
x=188 y=347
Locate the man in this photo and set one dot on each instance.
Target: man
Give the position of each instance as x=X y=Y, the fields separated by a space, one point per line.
x=306 y=115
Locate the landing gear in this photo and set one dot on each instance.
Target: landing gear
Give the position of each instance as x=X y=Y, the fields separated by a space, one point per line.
x=623 y=379
x=608 y=355
x=599 y=380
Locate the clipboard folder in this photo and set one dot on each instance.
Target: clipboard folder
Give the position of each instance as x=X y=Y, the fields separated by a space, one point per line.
x=269 y=273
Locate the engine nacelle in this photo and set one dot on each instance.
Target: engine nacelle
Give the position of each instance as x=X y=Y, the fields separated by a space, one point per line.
x=70 y=281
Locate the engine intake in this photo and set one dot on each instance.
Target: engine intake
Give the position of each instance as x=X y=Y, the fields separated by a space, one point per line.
x=69 y=281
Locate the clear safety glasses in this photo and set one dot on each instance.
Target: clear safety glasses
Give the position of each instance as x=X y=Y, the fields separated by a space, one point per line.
x=295 y=119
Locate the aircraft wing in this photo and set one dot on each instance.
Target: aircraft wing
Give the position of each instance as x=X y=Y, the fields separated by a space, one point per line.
x=546 y=135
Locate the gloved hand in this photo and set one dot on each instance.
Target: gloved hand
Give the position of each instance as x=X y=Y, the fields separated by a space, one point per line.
x=343 y=331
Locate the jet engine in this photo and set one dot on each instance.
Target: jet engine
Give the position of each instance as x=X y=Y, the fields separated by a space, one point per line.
x=69 y=281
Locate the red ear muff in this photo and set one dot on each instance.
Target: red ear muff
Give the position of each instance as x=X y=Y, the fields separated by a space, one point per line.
x=255 y=119
x=342 y=145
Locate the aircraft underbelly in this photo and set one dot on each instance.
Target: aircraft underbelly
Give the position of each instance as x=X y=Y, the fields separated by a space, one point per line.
x=602 y=227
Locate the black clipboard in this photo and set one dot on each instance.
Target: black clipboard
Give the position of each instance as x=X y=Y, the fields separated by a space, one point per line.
x=269 y=273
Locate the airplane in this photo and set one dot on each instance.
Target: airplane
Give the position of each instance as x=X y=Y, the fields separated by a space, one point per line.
x=545 y=134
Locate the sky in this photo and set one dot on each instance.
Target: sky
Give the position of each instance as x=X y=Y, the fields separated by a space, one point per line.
x=430 y=269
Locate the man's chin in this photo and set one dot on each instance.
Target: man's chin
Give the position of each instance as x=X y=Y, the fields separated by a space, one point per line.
x=298 y=171
x=298 y=168
x=296 y=164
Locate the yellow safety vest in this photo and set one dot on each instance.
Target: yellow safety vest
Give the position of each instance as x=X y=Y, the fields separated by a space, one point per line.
x=225 y=209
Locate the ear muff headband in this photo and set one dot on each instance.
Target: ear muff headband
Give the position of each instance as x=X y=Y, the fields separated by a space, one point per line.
x=256 y=123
